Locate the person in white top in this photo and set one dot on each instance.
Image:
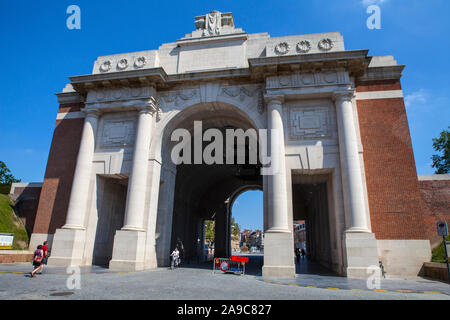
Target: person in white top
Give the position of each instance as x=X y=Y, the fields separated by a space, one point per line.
x=175 y=258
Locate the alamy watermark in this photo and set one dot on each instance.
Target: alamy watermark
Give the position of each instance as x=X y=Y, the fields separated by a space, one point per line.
x=228 y=149
x=74 y=20
x=374 y=20
x=374 y=280
x=74 y=280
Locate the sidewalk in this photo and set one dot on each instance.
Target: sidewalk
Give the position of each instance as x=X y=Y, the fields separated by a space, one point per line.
x=199 y=283
x=304 y=280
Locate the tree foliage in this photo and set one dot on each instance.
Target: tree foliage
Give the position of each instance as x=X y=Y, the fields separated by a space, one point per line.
x=235 y=230
x=6 y=175
x=441 y=162
x=209 y=231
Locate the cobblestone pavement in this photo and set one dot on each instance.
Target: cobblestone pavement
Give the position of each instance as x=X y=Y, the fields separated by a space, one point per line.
x=200 y=283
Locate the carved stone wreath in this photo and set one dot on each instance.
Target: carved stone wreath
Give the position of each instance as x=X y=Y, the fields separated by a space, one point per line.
x=122 y=64
x=303 y=46
x=177 y=97
x=242 y=92
x=106 y=66
x=282 y=48
x=140 y=62
x=325 y=44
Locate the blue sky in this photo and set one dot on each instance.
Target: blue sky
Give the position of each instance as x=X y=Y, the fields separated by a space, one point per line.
x=248 y=210
x=39 y=53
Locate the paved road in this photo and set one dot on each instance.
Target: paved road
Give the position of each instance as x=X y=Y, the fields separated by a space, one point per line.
x=186 y=283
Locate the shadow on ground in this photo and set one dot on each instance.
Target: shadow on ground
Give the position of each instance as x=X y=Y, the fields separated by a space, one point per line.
x=256 y=261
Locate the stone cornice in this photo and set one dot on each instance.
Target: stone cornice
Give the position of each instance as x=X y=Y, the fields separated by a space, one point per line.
x=355 y=62
x=155 y=77
x=69 y=97
x=297 y=79
x=152 y=76
x=219 y=38
x=382 y=73
x=433 y=177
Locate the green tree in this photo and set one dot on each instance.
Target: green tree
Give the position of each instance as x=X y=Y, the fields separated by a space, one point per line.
x=209 y=231
x=235 y=230
x=441 y=162
x=5 y=174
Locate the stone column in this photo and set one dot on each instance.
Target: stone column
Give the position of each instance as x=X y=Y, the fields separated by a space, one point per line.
x=277 y=202
x=220 y=247
x=134 y=212
x=130 y=242
x=165 y=215
x=80 y=186
x=278 y=238
x=68 y=242
x=350 y=163
x=360 y=244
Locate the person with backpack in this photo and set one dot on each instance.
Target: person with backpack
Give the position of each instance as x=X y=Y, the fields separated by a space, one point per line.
x=37 y=260
x=44 y=257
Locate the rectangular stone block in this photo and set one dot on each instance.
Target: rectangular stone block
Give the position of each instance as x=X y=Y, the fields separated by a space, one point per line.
x=362 y=256
x=278 y=255
x=129 y=251
x=68 y=248
x=404 y=257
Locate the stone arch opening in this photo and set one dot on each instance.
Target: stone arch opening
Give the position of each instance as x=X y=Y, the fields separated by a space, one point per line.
x=251 y=238
x=197 y=192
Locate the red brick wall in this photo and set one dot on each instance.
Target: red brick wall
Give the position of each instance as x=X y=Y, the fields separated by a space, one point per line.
x=396 y=208
x=26 y=203
x=436 y=195
x=378 y=85
x=15 y=258
x=55 y=194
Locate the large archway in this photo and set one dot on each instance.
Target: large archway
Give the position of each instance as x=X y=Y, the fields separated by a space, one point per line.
x=200 y=192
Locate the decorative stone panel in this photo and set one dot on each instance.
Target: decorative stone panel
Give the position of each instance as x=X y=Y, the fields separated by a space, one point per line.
x=179 y=97
x=119 y=94
x=297 y=80
x=309 y=123
x=305 y=44
x=126 y=62
x=117 y=133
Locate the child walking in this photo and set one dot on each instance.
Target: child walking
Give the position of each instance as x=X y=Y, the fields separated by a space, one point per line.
x=37 y=260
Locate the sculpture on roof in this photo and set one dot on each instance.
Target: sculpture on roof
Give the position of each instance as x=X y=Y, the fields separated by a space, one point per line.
x=212 y=23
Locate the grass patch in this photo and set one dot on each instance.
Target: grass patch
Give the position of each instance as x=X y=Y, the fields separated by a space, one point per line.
x=10 y=223
x=438 y=254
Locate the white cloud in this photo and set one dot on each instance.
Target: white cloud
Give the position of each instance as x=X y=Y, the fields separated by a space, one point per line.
x=414 y=98
x=370 y=2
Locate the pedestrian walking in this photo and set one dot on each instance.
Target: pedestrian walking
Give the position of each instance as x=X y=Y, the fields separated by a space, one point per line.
x=37 y=260
x=303 y=253
x=44 y=257
x=175 y=258
x=297 y=254
x=180 y=247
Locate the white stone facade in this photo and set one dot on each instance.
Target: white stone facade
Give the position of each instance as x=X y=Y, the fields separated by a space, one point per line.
x=303 y=85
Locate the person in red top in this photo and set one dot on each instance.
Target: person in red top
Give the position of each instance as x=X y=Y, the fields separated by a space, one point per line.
x=44 y=257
